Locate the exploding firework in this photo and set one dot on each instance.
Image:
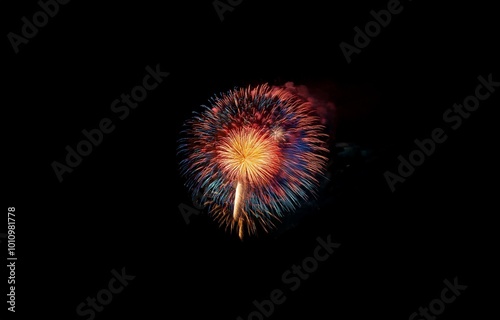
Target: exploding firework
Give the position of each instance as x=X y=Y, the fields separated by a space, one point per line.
x=253 y=155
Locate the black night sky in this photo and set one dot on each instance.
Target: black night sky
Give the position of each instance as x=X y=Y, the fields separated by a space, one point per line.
x=118 y=208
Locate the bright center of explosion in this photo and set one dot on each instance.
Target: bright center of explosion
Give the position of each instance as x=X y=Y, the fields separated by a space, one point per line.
x=249 y=156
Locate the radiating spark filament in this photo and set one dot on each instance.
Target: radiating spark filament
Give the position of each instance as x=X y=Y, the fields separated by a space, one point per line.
x=238 y=195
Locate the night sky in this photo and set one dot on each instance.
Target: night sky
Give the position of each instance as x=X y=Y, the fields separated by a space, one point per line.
x=118 y=208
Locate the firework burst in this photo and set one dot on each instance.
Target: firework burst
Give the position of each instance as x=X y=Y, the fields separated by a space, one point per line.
x=253 y=155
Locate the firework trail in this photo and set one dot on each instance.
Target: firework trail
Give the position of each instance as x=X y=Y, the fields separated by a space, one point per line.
x=254 y=154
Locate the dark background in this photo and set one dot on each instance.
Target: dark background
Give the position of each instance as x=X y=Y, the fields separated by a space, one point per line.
x=119 y=208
